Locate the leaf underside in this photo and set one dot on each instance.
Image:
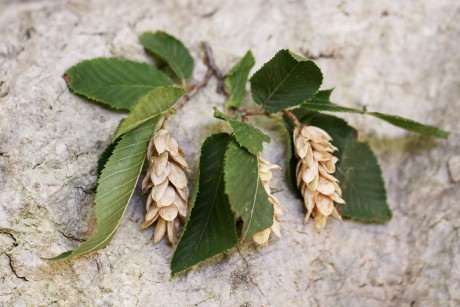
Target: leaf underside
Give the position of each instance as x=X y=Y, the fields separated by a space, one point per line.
x=245 y=134
x=210 y=229
x=150 y=105
x=116 y=186
x=286 y=80
x=236 y=80
x=245 y=191
x=115 y=82
x=321 y=102
x=171 y=51
x=358 y=170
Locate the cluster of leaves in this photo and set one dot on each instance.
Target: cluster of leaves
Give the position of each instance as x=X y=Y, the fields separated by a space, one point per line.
x=228 y=186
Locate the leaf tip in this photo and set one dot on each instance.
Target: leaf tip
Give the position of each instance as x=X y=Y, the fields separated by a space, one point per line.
x=66 y=78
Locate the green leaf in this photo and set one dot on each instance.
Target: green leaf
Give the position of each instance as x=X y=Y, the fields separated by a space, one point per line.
x=236 y=80
x=105 y=156
x=358 y=170
x=245 y=191
x=115 y=82
x=210 y=229
x=286 y=80
x=116 y=186
x=321 y=102
x=246 y=134
x=171 y=51
x=362 y=185
x=411 y=125
x=151 y=105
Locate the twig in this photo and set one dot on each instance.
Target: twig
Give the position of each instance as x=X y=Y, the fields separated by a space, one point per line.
x=292 y=117
x=246 y=113
x=211 y=63
x=213 y=70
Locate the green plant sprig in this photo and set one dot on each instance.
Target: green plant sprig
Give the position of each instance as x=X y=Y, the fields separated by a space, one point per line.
x=287 y=88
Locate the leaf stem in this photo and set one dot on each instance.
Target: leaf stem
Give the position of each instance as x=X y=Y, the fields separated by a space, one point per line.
x=292 y=117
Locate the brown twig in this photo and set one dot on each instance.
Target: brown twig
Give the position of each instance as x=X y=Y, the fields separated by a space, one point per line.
x=246 y=113
x=213 y=70
x=292 y=117
x=211 y=63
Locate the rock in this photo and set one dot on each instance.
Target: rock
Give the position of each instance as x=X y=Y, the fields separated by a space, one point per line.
x=395 y=57
x=454 y=168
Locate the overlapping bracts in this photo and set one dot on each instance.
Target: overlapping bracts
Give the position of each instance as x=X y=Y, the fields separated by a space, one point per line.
x=314 y=171
x=167 y=203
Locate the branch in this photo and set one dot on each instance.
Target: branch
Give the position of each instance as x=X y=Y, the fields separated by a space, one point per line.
x=213 y=70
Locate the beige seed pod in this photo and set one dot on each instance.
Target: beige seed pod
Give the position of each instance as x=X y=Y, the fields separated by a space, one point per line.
x=314 y=171
x=265 y=175
x=167 y=204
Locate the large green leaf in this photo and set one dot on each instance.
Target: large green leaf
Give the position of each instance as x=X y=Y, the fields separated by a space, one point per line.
x=116 y=186
x=358 y=170
x=116 y=82
x=361 y=181
x=321 y=102
x=150 y=105
x=171 y=51
x=236 y=80
x=245 y=191
x=246 y=134
x=210 y=229
x=286 y=80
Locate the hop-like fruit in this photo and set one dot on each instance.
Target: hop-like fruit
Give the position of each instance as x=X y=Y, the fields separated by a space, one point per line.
x=265 y=175
x=314 y=173
x=167 y=203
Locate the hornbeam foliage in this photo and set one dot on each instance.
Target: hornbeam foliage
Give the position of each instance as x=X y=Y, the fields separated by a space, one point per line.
x=231 y=200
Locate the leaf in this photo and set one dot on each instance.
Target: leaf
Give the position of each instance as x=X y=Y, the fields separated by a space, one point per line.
x=116 y=186
x=362 y=185
x=115 y=82
x=210 y=229
x=411 y=125
x=321 y=103
x=286 y=80
x=150 y=105
x=105 y=156
x=236 y=80
x=245 y=191
x=246 y=134
x=358 y=170
x=171 y=51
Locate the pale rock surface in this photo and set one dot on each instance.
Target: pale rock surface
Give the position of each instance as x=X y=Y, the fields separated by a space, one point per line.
x=400 y=57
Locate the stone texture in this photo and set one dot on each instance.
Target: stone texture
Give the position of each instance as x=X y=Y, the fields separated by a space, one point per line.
x=395 y=57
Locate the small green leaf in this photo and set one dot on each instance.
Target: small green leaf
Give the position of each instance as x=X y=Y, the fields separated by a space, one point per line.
x=321 y=102
x=411 y=125
x=210 y=229
x=171 y=51
x=115 y=82
x=116 y=186
x=245 y=191
x=286 y=80
x=358 y=170
x=150 y=105
x=236 y=80
x=246 y=134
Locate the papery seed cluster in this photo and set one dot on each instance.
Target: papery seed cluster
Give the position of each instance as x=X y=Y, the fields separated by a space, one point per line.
x=265 y=175
x=167 y=203
x=314 y=171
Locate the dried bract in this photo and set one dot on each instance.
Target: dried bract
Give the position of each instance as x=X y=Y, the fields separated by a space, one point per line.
x=314 y=171
x=167 y=204
x=265 y=175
